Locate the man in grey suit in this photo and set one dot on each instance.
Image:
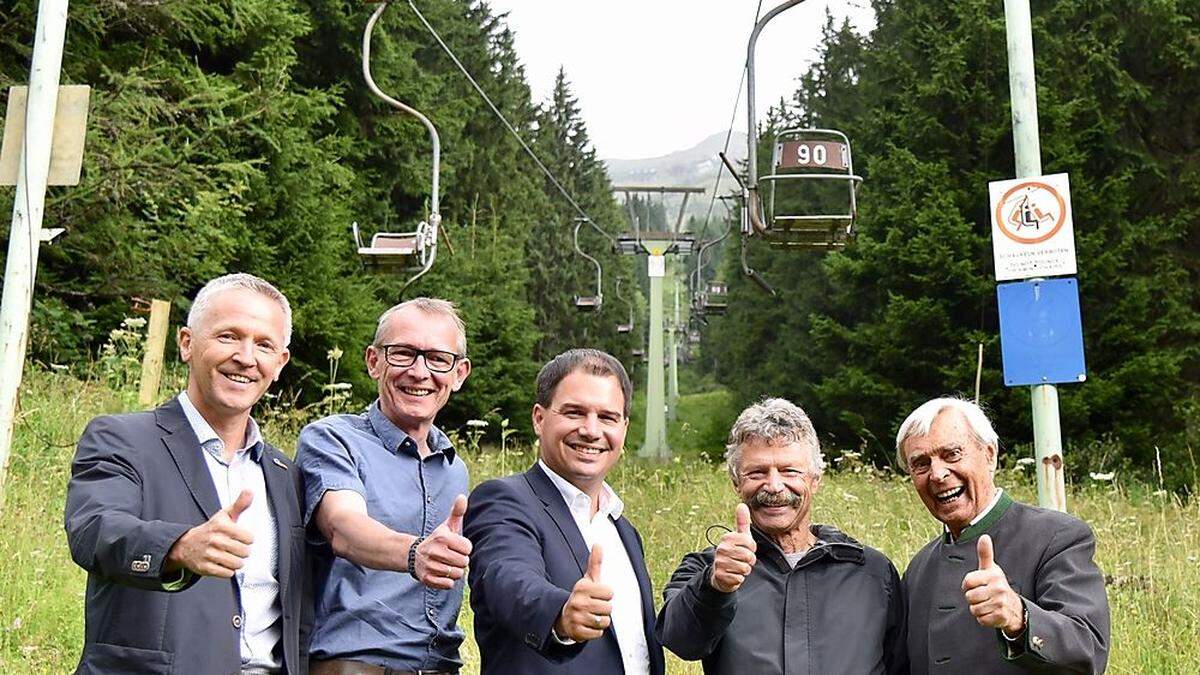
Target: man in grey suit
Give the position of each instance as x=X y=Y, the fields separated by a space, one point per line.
x=186 y=521
x=1007 y=588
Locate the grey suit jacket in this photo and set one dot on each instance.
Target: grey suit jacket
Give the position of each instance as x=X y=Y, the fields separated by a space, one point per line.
x=1047 y=557
x=138 y=482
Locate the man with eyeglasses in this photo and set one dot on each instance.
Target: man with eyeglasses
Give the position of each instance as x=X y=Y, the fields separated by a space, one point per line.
x=385 y=495
x=779 y=594
x=558 y=574
x=1006 y=587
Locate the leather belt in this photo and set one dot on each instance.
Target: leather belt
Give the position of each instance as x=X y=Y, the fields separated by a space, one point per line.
x=350 y=667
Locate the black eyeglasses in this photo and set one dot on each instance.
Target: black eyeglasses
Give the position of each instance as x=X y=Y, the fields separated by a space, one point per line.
x=436 y=360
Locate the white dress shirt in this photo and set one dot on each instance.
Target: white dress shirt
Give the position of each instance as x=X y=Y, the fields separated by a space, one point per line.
x=257 y=580
x=616 y=570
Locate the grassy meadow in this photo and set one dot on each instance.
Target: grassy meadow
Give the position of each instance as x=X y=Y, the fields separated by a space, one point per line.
x=1148 y=543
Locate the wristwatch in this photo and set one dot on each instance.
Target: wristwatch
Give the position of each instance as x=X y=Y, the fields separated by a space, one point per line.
x=412 y=557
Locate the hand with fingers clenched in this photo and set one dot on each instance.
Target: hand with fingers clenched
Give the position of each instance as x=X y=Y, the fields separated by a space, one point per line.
x=442 y=557
x=219 y=547
x=993 y=603
x=588 y=611
x=735 y=555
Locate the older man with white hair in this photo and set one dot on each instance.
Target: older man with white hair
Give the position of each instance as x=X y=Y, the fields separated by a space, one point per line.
x=780 y=594
x=1006 y=588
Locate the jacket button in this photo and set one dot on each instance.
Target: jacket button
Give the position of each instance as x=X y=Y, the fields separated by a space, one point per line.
x=237 y=621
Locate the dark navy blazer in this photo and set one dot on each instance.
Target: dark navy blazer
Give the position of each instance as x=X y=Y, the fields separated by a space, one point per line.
x=527 y=555
x=138 y=482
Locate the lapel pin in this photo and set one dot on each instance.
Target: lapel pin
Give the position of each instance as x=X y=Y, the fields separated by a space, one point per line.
x=279 y=463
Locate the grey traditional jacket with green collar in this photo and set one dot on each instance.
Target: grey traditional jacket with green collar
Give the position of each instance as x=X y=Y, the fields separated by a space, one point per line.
x=839 y=610
x=1048 y=559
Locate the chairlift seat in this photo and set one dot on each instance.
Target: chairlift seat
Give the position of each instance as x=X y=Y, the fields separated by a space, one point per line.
x=587 y=303
x=802 y=155
x=391 y=250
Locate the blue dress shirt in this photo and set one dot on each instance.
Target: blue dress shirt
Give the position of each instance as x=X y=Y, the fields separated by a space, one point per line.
x=381 y=617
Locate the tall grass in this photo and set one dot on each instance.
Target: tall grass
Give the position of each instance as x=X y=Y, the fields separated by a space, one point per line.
x=1148 y=543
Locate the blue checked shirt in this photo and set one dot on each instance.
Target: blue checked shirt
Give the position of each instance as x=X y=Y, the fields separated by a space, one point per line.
x=381 y=617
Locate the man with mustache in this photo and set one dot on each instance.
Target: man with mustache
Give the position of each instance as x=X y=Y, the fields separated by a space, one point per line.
x=1006 y=588
x=778 y=594
x=558 y=574
x=385 y=493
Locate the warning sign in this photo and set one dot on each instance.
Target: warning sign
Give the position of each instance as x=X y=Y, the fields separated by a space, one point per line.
x=1032 y=232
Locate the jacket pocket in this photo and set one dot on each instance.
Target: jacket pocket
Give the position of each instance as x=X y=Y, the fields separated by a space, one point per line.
x=99 y=657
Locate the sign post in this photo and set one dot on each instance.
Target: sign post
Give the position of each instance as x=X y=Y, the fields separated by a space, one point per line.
x=28 y=207
x=1047 y=435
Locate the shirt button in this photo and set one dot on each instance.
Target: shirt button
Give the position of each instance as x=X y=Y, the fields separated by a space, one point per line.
x=432 y=614
x=237 y=621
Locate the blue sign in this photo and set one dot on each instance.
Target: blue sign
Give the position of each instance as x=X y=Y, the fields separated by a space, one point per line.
x=1041 y=334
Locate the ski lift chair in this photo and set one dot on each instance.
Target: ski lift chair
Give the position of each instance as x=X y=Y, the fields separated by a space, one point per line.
x=412 y=252
x=589 y=303
x=715 y=300
x=803 y=156
x=408 y=251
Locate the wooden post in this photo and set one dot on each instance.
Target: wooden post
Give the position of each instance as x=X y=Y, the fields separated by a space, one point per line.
x=152 y=360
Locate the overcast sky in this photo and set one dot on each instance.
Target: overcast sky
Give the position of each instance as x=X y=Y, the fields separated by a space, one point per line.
x=656 y=76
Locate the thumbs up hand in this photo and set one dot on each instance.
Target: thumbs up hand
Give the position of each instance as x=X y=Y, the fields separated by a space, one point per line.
x=441 y=558
x=588 y=611
x=219 y=547
x=735 y=554
x=993 y=603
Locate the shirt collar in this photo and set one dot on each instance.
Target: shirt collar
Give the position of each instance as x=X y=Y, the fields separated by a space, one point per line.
x=996 y=499
x=609 y=503
x=393 y=437
x=210 y=441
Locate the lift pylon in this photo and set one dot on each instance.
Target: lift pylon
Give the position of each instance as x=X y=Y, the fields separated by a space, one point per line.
x=657 y=245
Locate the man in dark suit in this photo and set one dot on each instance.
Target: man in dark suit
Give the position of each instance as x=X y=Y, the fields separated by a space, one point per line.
x=1006 y=588
x=186 y=521
x=544 y=602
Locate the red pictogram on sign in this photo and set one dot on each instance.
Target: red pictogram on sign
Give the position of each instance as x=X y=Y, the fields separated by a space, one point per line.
x=1031 y=212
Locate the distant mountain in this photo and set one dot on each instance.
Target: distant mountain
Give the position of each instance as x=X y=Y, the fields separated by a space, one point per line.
x=696 y=166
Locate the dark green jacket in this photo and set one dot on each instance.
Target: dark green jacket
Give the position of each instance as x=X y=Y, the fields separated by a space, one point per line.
x=1047 y=557
x=838 y=611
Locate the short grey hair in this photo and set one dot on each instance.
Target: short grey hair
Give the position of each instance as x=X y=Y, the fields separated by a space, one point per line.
x=921 y=420
x=776 y=421
x=240 y=281
x=435 y=306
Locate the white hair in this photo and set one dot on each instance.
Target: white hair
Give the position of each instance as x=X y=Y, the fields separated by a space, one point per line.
x=776 y=421
x=435 y=306
x=234 y=282
x=920 y=420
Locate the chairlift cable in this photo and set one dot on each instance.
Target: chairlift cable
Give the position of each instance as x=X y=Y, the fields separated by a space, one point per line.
x=449 y=52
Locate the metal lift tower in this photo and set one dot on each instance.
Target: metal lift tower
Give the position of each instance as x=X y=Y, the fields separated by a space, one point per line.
x=658 y=245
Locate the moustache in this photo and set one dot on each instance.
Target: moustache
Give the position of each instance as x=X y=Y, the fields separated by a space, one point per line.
x=765 y=497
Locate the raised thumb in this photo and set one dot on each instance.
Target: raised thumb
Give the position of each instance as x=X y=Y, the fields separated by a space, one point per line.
x=987 y=556
x=455 y=521
x=241 y=504
x=594 y=561
x=742 y=519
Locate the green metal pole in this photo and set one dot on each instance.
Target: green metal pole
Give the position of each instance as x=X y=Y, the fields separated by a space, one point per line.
x=1047 y=433
x=673 y=349
x=655 y=444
